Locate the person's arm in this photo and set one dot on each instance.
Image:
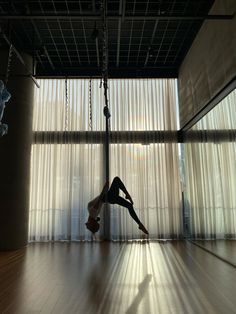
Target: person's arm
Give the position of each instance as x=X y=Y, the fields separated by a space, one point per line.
x=95 y=203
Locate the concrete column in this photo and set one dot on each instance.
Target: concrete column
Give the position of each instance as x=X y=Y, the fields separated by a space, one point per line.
x=15 y=151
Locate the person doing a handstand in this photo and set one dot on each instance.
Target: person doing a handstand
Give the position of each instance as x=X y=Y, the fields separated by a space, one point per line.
x=111 y=196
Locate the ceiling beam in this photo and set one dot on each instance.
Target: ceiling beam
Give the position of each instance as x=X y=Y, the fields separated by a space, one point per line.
x=113 y=72
x=115 y=17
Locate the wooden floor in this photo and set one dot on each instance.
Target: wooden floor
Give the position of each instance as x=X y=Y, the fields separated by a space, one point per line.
x=146 y=278
x=225 y=249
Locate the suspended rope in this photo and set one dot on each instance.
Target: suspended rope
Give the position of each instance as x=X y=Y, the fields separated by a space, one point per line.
x=4 y=94
x=105 y=59
x=90 y=105
x=66 y=105
x=105 y=82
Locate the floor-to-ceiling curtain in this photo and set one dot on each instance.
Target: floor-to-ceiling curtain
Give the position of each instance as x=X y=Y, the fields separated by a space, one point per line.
x=67 y=171
x=150 y=170
x=64 y=175
x=210 y=196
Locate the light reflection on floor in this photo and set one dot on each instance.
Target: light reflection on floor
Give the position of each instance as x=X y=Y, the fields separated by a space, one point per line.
x=119 y=278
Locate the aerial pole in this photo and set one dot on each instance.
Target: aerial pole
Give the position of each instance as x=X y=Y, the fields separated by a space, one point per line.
x=105 y=86
x=106 y=111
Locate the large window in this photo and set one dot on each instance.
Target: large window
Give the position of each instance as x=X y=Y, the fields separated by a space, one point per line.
x=63 y=178
x=151 y=172
x=210 y=196
x=67 y=167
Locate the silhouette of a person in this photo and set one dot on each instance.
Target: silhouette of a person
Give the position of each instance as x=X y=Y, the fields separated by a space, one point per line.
x=112 y=197
x=142 y=289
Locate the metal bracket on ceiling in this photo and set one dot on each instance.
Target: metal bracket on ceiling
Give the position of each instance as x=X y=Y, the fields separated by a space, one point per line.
x=19 y=57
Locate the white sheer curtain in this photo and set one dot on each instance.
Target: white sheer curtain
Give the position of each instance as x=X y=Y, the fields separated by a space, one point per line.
x=211 y=177
x=151 y=175
x=63 y=179
x=149 y=170
x=65 y=175
x=145 y=104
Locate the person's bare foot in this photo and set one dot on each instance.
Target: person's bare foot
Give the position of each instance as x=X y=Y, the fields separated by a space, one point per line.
x=141 y=227
x=128 y=197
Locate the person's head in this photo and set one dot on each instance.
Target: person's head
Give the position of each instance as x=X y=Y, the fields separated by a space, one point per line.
x=92 y=224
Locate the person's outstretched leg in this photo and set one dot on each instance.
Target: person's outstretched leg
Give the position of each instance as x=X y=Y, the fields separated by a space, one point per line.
x=114 y=198
x=114 y=189
x=121 y=201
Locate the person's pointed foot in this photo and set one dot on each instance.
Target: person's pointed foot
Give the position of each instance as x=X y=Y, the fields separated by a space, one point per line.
x=141 y=227
x=128 y=197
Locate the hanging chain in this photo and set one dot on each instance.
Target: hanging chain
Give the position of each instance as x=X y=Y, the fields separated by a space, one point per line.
x=9 y=64
x=90 y=105
x=67 y=105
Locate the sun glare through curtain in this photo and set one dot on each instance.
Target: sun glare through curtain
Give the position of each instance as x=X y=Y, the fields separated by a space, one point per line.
x=66 y=174
x=210 y=196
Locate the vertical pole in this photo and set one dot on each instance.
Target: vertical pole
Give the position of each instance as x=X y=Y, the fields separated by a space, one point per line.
x=107 y=162
x=107 y=142
x=106 y=114
x=106 y=175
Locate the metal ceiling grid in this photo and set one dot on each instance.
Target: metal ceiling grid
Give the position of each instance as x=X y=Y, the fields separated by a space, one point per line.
x=145 y=38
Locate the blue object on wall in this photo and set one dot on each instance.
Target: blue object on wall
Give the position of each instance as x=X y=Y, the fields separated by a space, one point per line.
x=4 y=97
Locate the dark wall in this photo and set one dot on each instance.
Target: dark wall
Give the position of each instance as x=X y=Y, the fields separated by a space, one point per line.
x=15 y=150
